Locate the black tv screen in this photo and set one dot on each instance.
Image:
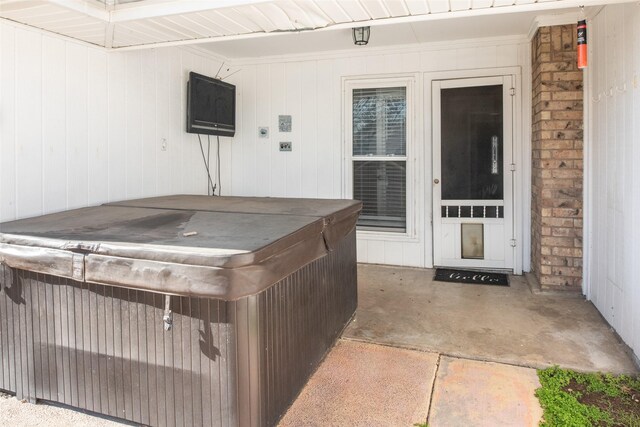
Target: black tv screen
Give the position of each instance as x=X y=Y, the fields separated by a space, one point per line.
x=211 y=106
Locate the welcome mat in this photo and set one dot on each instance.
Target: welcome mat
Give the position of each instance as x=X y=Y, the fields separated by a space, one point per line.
x=474 y=277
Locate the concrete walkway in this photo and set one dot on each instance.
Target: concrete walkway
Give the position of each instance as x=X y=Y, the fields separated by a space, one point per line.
x=472 y=393
x=16 y=413
x=361 y=384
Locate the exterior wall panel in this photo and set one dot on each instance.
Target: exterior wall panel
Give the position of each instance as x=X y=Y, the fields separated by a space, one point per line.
x=82 y=126
x=613 y=223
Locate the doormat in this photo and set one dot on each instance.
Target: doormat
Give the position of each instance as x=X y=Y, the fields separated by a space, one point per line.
x=473 y=277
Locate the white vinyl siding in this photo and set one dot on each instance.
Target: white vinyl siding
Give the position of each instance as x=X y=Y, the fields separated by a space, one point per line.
x=612 y=218
x=80 y=126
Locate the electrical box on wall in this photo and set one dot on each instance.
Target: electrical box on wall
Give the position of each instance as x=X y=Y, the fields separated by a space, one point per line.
x=284 y=123
x=285 y=146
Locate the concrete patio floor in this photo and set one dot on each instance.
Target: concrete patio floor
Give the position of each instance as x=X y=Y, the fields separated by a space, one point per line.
x=404 y=307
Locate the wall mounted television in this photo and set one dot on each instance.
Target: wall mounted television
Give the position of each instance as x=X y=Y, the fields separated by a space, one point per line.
x=211 y=106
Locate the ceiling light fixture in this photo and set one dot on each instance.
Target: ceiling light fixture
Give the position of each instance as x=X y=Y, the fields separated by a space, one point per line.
x=361 y=35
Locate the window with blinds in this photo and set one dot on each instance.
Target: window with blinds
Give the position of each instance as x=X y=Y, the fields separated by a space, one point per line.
x=379 y=157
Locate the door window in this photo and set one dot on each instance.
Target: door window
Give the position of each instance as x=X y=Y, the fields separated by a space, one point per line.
x=472 y=154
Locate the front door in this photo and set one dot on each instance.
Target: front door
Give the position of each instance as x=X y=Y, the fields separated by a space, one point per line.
x=472 y=174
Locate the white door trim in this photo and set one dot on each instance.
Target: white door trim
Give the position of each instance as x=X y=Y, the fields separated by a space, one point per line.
x=521 y=158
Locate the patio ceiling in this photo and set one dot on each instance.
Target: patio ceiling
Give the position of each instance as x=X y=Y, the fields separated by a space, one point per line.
x=382 y=36
x=125 y=24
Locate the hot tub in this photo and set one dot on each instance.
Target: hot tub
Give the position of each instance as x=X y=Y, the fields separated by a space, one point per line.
x=178 y=310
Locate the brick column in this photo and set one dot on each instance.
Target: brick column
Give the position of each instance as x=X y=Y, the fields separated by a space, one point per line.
x=556 y=208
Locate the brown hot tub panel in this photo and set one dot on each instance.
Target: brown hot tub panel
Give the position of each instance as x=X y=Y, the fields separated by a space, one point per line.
x=114 y=310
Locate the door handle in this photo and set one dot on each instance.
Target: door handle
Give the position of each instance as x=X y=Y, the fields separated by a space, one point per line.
x=494 y=155
x=436 y=181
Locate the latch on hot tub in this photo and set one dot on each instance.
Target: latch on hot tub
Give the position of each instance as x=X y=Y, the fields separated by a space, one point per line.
x=168 y=317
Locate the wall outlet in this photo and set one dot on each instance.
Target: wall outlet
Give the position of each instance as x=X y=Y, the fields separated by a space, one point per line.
x=285 y=146
x=163 y=144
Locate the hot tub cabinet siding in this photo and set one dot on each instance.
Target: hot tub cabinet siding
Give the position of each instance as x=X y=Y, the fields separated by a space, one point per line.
x=104 y=348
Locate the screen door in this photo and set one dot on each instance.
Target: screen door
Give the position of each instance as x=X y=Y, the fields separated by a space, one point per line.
x=472 y=177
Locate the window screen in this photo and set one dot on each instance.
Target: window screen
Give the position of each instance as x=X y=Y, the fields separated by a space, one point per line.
x=379 y=157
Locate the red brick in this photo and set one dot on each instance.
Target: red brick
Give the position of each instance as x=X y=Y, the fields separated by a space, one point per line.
x=557 y=159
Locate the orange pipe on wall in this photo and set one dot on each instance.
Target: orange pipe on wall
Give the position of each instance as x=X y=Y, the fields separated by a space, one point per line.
x=582 y=44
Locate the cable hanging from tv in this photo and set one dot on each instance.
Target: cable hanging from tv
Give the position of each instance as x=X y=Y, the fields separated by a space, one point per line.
x=211 y=187
x=211 y=110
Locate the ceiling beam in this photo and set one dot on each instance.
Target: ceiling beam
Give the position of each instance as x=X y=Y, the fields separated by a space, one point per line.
x=158 y=8
x=553 y=20
x=91 y=9
x=108 y=35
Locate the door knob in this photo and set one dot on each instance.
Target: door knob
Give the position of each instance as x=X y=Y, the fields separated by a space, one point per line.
x=436 y=181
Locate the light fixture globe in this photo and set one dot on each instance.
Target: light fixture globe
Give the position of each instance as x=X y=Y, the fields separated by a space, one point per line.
x=361 y=35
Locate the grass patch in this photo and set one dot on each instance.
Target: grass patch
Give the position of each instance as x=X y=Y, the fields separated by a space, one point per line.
x=574 y=399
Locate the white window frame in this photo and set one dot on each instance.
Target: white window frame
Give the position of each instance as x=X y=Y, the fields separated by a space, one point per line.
x=408 y=82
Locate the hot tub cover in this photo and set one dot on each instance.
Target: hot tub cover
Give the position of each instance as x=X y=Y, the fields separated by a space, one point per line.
x=241 y=245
